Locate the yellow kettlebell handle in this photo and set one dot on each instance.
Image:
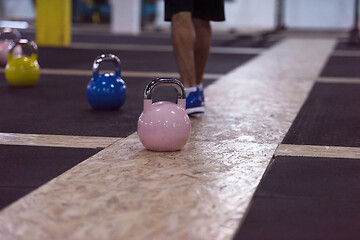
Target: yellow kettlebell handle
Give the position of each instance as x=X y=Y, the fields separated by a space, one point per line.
x=23 y=43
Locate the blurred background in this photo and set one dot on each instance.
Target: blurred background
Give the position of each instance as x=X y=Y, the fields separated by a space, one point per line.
x=136 y=16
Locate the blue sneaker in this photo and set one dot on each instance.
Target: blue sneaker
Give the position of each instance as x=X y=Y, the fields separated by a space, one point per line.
x=201 y=95
x=194 y=103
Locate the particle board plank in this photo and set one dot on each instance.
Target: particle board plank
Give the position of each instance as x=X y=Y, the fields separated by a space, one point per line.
x=338 y=80
x=317 y=151
x=56 y=140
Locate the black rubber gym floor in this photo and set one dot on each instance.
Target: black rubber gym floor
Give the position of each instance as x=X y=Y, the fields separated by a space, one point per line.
x=311 y=177
x=343 y=66
x=69 y=58
x=24 y=168
x=299 y=219
x=343 y=44
x=313 y=197
x=58 y=105
x=329 y=117
x=160 y=39
x=305 y=198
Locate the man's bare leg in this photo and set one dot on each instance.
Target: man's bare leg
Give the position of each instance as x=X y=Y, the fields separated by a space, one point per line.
x=202 y=47
x=183 y=39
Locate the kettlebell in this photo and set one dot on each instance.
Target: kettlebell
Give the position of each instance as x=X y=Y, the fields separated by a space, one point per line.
x=106 y=91
x=7 y=36
x=22 y=71
x=164 y=125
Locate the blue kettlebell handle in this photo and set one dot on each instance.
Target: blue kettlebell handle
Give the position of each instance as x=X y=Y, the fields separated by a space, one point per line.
x=24 y=43
x=165 y=81
x=106 y=57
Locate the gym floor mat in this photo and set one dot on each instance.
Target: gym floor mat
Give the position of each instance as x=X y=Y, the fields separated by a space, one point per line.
x=70 y=58
x=161 y=39
x=300 y=218
x=344 y=45
x=58 y=105
x=339 y=66
x=305 y=198
x=9 y=195
x=312 y=177
x=329 y=117
x=24 y=168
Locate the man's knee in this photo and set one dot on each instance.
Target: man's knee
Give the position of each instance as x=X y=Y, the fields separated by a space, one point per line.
x=181 y=16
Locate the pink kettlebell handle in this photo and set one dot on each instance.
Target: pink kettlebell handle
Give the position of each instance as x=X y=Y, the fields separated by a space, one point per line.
x=24 y=43
x=11 y=34
x=161 y=82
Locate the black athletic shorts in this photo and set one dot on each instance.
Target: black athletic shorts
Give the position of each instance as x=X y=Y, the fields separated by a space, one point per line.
x=212 y=10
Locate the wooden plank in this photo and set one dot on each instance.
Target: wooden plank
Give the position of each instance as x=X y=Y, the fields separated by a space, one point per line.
x=338 y=80
x=56 y=140
x=317 y=151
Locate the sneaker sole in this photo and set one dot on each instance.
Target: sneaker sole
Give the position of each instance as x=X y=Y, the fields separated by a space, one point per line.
x=195 y=110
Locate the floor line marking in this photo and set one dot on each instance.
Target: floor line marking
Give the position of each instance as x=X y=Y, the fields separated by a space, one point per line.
x=163 y=48
x=317 y=151
x=56 y=140
x=346 y=53
x=338 y=80
x=80 y=72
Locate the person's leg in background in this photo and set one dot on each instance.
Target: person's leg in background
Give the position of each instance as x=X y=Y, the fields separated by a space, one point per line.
x=191 y=38
x=184 y=41
x=204 y=12
x=201 y=51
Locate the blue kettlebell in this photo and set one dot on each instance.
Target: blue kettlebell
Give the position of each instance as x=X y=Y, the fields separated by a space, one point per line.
x=106 y=91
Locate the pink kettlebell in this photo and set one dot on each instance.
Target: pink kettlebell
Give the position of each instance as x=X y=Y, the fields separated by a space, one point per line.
x=7 y=36
x=164 y=126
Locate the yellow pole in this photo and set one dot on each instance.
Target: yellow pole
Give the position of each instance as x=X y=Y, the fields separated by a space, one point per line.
x=53 y=22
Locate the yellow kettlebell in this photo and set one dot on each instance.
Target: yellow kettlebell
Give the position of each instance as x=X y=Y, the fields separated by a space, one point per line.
x=22 y=71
